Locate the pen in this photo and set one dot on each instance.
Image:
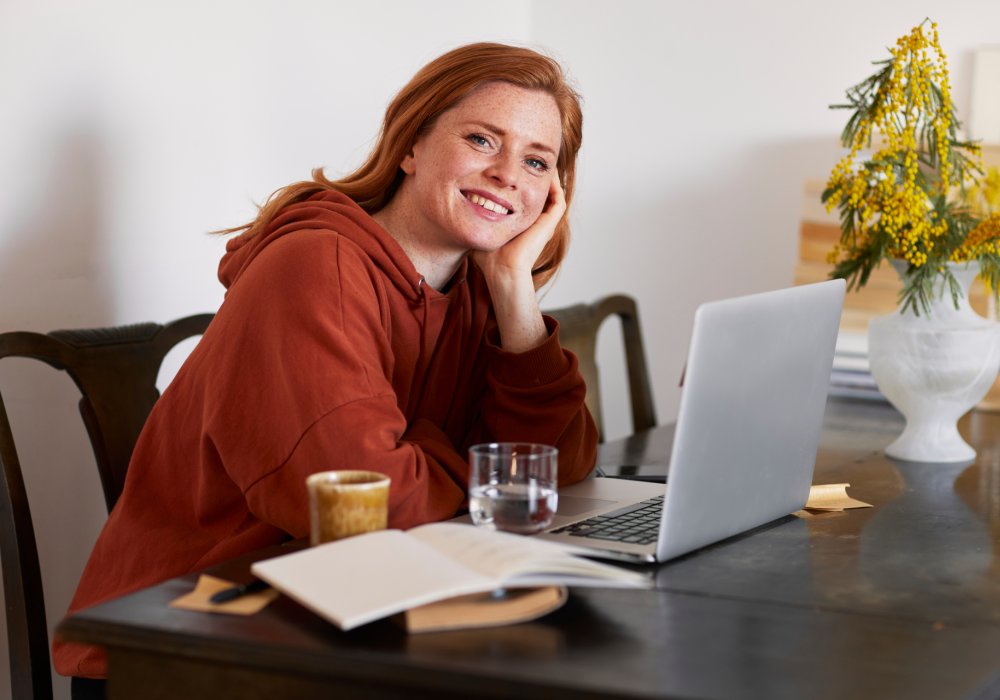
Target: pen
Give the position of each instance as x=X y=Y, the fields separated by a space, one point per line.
x=239 y=590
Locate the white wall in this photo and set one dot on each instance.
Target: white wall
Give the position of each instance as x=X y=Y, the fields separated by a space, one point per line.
x=127 y=130
x=702 y=121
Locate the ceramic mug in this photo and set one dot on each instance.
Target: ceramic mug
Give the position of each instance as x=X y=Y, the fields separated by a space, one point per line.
x=345 y=503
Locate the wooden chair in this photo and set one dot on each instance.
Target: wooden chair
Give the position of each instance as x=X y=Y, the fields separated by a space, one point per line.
x=115 y=370
x=578 y=327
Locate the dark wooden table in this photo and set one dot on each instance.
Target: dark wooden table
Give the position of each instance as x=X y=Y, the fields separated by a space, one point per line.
x=897 y=601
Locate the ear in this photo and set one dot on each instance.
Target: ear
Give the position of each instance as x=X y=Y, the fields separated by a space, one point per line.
x=409 y=163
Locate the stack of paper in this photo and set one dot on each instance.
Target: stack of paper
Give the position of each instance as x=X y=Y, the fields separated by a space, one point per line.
x=851 y=375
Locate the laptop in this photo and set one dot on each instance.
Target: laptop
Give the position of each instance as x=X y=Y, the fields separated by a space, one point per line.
x=745 y=441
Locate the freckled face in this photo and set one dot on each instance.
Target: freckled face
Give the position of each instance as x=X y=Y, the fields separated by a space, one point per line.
x=482 y=174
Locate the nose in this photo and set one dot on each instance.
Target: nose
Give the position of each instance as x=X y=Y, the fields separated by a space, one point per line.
x=503 y=169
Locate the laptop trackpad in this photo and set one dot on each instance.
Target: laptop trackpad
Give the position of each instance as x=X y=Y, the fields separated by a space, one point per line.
x=574 y=505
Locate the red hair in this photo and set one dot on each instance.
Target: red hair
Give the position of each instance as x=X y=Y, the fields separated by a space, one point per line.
x=436 y=88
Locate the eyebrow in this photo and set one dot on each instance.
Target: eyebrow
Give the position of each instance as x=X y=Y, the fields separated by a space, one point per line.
x=536 y=145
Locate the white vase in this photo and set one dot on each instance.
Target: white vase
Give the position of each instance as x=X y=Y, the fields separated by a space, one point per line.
x=933 y=368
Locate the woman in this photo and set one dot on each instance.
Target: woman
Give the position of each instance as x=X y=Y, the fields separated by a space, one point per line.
x=384 y=321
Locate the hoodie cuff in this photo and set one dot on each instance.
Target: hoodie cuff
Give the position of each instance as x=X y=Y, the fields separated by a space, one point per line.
x=542 y=364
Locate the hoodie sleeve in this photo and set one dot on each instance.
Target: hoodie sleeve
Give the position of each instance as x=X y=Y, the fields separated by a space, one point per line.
x=301 y=367
x=538 y=396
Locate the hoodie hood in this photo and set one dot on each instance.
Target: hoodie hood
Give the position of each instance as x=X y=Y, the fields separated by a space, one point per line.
x=333 y=211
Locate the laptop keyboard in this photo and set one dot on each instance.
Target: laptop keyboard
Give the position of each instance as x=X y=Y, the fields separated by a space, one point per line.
x=638 y=523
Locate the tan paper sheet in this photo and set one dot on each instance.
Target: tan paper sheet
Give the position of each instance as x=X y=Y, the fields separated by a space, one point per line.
x=832 y=497
x=207 y=586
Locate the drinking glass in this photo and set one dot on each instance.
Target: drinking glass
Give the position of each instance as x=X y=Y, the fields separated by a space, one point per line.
x=512 y=486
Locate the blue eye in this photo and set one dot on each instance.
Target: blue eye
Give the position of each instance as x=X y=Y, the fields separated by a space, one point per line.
x=478 y=140
x=537 y=164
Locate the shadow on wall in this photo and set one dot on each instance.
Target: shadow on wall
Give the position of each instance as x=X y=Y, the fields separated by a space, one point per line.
x=50 y=277
x=743 y=222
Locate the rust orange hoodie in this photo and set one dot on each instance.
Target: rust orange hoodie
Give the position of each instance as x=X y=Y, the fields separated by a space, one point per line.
x=329 y=352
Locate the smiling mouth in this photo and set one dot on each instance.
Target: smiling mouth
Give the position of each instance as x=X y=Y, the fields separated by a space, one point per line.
x=485 y=203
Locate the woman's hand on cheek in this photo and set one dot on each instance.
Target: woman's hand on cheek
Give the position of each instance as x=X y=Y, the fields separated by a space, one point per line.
x=508 y=275
x=518 y=255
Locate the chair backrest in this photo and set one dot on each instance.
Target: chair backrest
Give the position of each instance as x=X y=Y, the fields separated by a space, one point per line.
x=578 y=327
x=115 y=370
